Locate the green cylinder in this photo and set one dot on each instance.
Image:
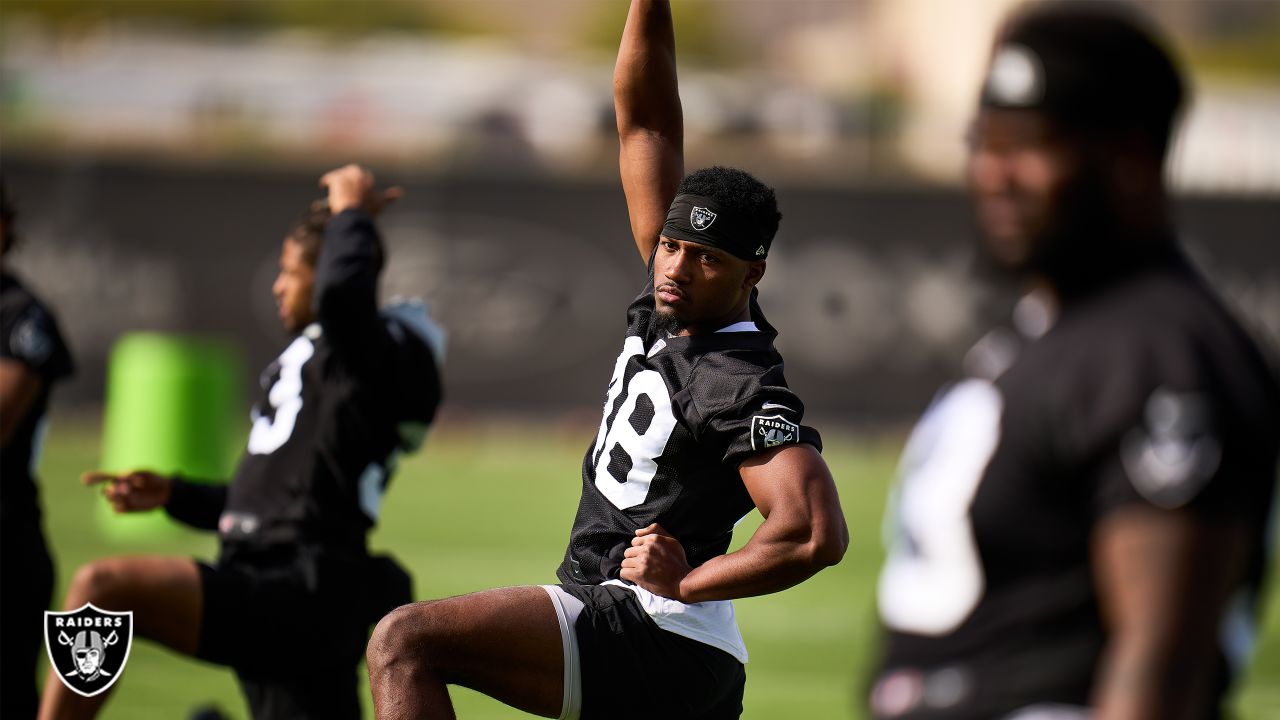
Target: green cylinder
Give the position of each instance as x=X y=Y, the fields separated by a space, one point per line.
x=171 y=407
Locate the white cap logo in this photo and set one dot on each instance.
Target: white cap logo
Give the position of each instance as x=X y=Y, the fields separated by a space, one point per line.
x=1016 y=77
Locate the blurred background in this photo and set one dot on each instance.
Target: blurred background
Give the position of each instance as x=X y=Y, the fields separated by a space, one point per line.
x=158 y=150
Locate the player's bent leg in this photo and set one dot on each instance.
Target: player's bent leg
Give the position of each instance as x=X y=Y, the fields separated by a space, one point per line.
x=164 y=594
x=505 y=643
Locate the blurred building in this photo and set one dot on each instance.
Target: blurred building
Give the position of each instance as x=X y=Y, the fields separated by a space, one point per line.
x=156 y=161
x=834 y=92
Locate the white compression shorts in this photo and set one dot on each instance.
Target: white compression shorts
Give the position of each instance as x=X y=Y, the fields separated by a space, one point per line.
x=568 y=608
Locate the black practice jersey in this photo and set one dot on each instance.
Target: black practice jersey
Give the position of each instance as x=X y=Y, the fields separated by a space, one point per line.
x=1144 y=391
x=352 y=392
x=28 y=335
x=680 y=415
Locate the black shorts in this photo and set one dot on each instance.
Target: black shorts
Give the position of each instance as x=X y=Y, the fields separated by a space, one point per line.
x=631 y=668
x=294 y=628
x=26 y=575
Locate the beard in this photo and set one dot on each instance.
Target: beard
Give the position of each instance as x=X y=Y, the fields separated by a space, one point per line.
x=1080 y=245
x=667 y=322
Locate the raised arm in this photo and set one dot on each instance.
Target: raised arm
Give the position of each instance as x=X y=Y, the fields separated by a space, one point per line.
x=803 y=531
x=346 y=290
x=1164 y=579
x=646 y=99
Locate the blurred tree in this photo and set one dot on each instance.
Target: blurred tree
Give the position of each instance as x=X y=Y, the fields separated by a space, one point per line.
x=1252 y=51
x=336 y=16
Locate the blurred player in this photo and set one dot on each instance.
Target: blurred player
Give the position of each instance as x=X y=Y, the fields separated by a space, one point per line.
x=698 y=428
x=33 y=357
x=1080 y=522
x=290 y=601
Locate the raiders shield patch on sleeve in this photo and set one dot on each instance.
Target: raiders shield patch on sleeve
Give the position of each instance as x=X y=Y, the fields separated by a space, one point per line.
x=771 y=431
x=1174 y=453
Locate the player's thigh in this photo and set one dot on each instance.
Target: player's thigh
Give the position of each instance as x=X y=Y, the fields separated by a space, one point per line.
x=633 y=669
x=729 y=706
x=505 y=643
x=164 y=594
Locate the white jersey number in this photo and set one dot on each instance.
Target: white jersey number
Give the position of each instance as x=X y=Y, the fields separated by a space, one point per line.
x=641 y=448
x=285 y=397
x=933 y=579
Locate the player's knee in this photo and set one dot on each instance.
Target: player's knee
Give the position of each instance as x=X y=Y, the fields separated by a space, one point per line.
x=96 y=582
x=400 y=637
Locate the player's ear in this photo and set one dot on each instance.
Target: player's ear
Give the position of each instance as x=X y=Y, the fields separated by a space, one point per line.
x=1134 y=171
x=755 y=271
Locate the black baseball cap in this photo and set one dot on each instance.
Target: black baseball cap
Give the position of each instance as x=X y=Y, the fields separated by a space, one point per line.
x=1091 y=65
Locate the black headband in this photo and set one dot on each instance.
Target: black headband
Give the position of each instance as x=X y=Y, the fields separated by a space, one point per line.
x=699 y=219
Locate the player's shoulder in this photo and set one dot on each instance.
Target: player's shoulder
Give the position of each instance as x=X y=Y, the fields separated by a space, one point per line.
x=1164 y=334
x=29 y=331
x=15 y=298
x=736 y=372
x=737 y=358
x=20 y=304
x=411 y=326
x=1168 y=319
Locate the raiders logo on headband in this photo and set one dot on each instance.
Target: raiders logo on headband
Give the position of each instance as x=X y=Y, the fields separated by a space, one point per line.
x=698 y=219
x=701 y=218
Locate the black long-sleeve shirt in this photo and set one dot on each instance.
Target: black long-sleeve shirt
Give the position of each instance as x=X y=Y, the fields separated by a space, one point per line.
x=350 y=393
x=29 y=335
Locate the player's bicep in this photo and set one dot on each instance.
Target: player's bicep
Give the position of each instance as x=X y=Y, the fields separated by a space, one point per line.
x=19 y=387
x=795 y=492
x=1163 y=578
x=651 y=166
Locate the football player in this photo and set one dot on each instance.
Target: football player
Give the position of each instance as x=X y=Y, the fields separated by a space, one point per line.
x=1080 y=522
x=33 y=357
x=698 y=428
x=289 y=602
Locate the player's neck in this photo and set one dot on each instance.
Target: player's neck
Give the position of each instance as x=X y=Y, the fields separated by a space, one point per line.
x=741 y=314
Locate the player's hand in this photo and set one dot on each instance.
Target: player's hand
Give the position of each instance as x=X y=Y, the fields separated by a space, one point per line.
x=352 y=186
x=656 y=562
x=132 y=491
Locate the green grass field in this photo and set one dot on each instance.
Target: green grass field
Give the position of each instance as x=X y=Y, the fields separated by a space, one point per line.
x=492 y=506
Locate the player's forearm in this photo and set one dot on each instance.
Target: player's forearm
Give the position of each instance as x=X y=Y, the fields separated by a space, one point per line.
x=196 y=504
x=346 y=291
x=1159 y=683
x=771 y=561
x=1163 y=580
x=646 y=94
